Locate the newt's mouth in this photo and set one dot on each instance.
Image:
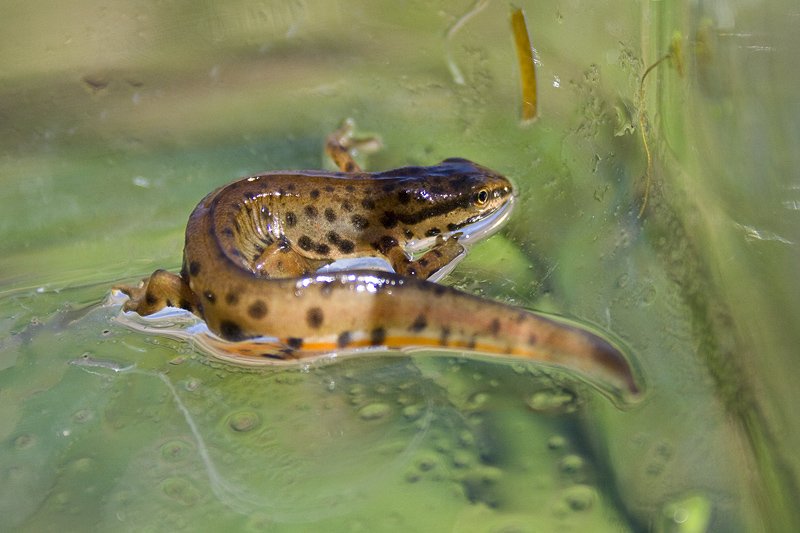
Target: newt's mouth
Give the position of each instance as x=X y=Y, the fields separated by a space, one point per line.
x=474 y=229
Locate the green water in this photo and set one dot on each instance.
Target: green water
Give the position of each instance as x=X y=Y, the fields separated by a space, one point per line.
x=118 y=118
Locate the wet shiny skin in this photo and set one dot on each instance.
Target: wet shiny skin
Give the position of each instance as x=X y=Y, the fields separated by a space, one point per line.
x=253 y=247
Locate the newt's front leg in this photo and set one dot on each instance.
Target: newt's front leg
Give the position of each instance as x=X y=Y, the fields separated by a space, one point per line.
x=441 y=254
x=162 y=289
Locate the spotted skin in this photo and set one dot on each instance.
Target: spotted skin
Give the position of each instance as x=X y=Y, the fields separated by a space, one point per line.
x=252 y=247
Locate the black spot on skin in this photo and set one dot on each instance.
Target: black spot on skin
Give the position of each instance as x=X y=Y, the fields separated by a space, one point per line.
x=385 y=244
x=377 y=336
x=291 y=219
x=305 y=242
x=310 y=211
x=290 y=187
x=232 y=298
x=185 y=305
x=368 y=204
x=322 y=249
x=359 y=222
x=330 y=215
x=445 y=336
x=169 y=303
x=314 y=194
x=423 y=262
x=314 y=317
x=230 y=331
x=149 y=298
x=350 y=188
x=433 y=232
x=419 y=324
x=257 y=310
x=347 y=206
x=329 y=188
x=346 y=246
x=408 y=233
x=439 y=290
x=452 y=227
x=388 y=187
x=344 y=339
x=532 y=340
x=403 y=197
x=210 y=296
x=333 y=238
x=194 y=268
x=294 y=343
x=389 y=220
x=349 y=166
x=494 y=327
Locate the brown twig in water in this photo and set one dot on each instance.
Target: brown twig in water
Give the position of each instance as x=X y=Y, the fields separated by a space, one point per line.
x=527 y=67
x=673 y=53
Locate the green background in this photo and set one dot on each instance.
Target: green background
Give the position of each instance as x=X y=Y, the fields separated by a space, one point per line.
x=116 y=118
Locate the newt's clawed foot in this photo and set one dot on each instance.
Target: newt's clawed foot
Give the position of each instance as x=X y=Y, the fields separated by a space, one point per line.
x=162 y=289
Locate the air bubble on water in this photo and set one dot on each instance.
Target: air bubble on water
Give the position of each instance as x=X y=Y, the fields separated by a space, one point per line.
x=180 y=490
x=427 y=462
x=244 y=421
x=556 y=442
x=375 y=411
x=462 y=459
x=82 y=416
x=466 y=438
x=192 y=384
x=546 y=400
x=690 y=514
x=477 y=400
x=649 y=295
x=412 y=412
x=571 y=464
x=175 y=451
x=24 y=441
x=579 y=497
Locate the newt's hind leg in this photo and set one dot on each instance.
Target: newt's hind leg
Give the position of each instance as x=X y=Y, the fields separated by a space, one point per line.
x=280 y=261
x=162 y=289
x=340 y=144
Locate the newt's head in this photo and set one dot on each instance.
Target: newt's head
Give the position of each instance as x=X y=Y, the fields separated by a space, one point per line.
x=455 y=196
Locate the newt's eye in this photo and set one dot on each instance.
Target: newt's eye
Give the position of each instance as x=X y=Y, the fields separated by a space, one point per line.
x=481 y=197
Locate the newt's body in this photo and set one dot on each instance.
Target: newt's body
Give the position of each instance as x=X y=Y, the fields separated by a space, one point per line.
x=253 y=248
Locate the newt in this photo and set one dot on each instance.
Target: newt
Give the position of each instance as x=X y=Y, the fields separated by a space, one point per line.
x=253 y=249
